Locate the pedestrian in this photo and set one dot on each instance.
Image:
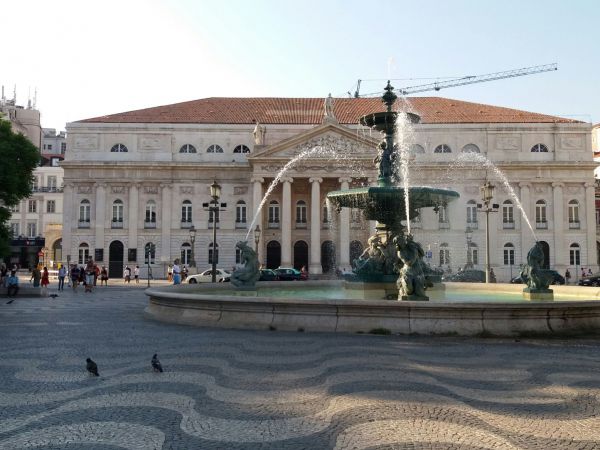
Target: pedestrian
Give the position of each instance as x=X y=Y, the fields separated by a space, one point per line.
x=127 y=275
x=36 y=276
x=170 y=273
x=45 y=282
x=13 y=284
x=104 y=276
x=96 y=273
x=492 y=276
x=184 y=274
x=62 y=273
x=74 y=277
x=89 y=276
x=589 y=273
x=136 y=274
x=176 y=272
x=3 y=274
x=582 y=272
x=567 y=276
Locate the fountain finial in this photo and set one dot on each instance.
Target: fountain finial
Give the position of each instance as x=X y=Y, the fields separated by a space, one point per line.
x=389 y=97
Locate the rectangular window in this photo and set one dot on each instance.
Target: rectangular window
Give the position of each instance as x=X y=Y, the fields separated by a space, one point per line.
x=274 y=214
x=540 y=213
x=507 y=214
x=63 y=147
x=15 y=208
x=443 y=214
x=475 y=256
x=444 y=256
x=240 y=214
x=574 y=257
x=49 y=146
x=52 y=183
x=509 y=257
x=210 y=256
x=32 y=206
x=471 y=214
x=213 y=214
x=34 y=184
x=14 y=230
x=31 y=229
x=51 y=206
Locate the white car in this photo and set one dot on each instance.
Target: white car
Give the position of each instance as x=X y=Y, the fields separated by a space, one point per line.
x=206 y=277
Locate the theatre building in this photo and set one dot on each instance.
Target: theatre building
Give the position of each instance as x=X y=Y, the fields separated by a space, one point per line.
x=140 y=180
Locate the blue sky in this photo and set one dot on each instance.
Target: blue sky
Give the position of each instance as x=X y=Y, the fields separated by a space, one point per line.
x=88 y=59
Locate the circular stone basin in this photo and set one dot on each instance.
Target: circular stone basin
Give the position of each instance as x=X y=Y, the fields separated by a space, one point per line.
x=337 y=306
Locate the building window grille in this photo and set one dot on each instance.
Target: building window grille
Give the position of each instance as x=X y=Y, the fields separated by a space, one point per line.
x=51 y=206
x=214 y=148
x=443 y=148
x=119 y=148
x=187 y=148
x=241 y=149
x=539 y=148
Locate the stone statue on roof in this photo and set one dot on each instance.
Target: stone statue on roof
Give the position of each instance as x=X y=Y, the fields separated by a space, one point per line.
x=259 y=134
x=329 y=116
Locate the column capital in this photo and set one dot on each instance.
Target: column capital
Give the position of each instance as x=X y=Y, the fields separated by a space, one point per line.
x=590 y=185
x=315 y=180
x=166 y=186
x=287 y=180
x=525 y=185
x=558 y=184
x=257 y=180
x=345 y=179
x=101 y=185
x=135 y=184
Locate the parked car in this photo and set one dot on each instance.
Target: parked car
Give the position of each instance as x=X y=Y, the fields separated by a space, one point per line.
x=466 y=276
x=590 y=281
x=557 y=278
x=288 y=274
x=206 y=277
x=268 y=275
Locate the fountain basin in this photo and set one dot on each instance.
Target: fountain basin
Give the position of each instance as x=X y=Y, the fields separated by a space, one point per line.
x=386 y=121
x=320 y=306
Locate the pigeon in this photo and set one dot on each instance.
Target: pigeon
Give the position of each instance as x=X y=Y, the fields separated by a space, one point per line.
x=10 y=301
x=156 y=364
x=92 y=367
x=53 y=295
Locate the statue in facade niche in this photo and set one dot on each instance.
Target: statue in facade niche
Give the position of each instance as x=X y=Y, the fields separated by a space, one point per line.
x=328 y=105
x=259 y=134
x=248 y=275
x=533 y=274
x=411 y=283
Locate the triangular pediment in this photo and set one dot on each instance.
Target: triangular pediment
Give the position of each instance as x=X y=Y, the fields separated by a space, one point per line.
x=328 y=136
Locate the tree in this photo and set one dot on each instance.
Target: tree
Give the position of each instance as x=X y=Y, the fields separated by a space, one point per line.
x=18 y=159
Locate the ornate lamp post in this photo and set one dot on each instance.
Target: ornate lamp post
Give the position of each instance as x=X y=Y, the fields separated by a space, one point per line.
x=193 y=240
x=469 y=236
x=487 y=193
x=256 y=238
x=215 y=193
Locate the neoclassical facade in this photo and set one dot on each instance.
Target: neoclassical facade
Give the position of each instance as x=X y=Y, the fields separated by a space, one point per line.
x=140 y=180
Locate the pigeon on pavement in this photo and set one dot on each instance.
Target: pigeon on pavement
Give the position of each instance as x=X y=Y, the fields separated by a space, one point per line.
x=92 y=367
x=53 y=295
x=156 y=364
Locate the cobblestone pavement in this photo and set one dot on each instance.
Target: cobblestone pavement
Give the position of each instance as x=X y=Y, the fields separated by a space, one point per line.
x=234 y=389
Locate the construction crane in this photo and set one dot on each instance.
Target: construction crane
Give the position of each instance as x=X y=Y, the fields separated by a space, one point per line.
x=467 y=80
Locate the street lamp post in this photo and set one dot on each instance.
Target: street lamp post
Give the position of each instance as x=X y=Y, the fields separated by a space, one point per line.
x=487 y=193
x=150 y=249
x=256 y=238
x=215 y=193
x=193 y=240
x=469 y=236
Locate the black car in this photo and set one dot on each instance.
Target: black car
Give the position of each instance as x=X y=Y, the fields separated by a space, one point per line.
x=590 y=281
x=557 y=278
x=268 y=275
x=288 y=274
x=466 y=276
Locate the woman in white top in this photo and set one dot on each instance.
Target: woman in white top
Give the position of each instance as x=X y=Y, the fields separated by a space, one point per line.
x=176 y=272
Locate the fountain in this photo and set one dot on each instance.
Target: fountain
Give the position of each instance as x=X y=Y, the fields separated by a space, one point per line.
x=392 y=251
x=392 y=260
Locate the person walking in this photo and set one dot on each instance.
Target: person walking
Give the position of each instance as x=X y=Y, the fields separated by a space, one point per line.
x=62 y=273
x=127 y=275
x=104 y=276
x=13 y=284
x=176 y=272
x=170 y=273
x=36 y=276
x=492 y=276
x=45 y=282
x=567 y=276
x=90 y=275
x=74 y=277
x=136 y=274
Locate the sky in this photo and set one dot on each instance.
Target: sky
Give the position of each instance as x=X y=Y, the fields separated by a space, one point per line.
x=87 y=59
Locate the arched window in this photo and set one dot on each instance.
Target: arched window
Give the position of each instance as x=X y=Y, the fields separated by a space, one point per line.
x=416 y=149
x=539 y=148
x=187 y=148
x=119 y=148
x=443 y=215
x=301 y=213
x=150 y=253
x=470 y=148
x=214 y=149
x=573 y=214
x=241 y=149
x=509 y=254
x=117 y=214
x=472 y=213
x=443 y=148
x=574 y=255
x=508 y=216
x=540 y=215
x=240 y=213
x=212 y=254
x=150 y=218
x=326 y=215
x=186 y=253
x=474 y=253
x=273 y=214
x=186 y=212
x=84 y=213
x=444 y=254
x=83 y=253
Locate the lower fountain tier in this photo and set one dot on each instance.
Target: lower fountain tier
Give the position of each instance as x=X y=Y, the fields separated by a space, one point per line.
x=385 y=204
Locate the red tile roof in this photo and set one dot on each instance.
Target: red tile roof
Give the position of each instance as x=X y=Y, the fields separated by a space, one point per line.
x=309 y=111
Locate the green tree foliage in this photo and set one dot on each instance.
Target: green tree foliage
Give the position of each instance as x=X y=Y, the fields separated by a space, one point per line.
x=18 y=159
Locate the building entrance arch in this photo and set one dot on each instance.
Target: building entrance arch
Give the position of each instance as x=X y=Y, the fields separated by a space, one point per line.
x=546 y=250
x=273 y=255
x=115 y=259
x=57 y=252
x=300 y=255
x=328 y=259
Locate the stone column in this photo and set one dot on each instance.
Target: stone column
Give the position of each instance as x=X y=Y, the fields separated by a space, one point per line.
x=166 y=208
x=257 y=195
x=314 y=266
x=69 y=221
x=344 y=228
x=132 y=219
x=590 y=226
x=560 y=261
x=526 y=237
x=286 y=223
x=100 y=220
